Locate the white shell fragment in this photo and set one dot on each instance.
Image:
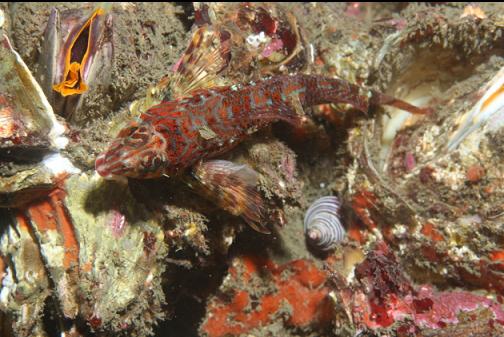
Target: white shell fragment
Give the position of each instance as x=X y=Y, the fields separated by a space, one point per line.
x=322 y=224
x=57 y=164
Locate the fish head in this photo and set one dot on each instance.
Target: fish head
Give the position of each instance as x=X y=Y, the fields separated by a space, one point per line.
x=137 y=152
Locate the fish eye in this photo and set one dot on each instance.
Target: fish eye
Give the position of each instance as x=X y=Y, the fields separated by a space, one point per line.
x=156 y=163
x=151 y=163
x=133 y=130
x=140 y=133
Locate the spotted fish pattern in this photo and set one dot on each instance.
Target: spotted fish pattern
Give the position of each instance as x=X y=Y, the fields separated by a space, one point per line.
x=175 y=135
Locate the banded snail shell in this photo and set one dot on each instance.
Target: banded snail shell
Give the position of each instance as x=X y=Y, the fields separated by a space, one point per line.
x=322 y=223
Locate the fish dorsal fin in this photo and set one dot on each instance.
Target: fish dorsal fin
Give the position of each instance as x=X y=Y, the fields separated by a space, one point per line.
x=207 y=55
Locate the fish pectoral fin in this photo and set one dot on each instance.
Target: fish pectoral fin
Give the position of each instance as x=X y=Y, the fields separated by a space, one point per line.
x=207 y=133
x=295 y=103
x=257 y=227
x=233 y=187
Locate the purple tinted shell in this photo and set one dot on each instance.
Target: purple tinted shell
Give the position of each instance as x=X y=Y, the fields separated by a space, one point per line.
x=322 y=224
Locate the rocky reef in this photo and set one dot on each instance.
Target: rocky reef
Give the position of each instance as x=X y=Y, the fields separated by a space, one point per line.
x=416 y=243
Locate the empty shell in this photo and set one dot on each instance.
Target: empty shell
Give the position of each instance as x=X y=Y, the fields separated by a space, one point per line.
x=322 y=224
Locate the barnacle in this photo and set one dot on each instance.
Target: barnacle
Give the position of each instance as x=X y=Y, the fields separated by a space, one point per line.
x=26 y=117
x=72 y=240
x=436 y=180
x=76 y=58
x=24 y=280
x=30 y=135
x=77 y=51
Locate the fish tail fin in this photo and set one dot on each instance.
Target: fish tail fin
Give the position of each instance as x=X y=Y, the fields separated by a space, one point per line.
x=334 y=90
x=232 y=187
x=382 y=99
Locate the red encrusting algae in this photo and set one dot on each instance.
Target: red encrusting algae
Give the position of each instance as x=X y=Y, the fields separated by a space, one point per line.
x=362 y=203
x=48 y=214
x=485 y=272
x=299 y=297
x=429 y=231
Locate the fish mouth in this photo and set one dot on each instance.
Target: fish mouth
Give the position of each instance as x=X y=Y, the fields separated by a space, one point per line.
x=106 y=169
x=113 y=167
x=101 y=167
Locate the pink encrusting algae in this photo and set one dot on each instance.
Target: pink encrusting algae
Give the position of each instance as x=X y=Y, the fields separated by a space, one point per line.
x=117 y=223
x=385 y=297
x=272 y=47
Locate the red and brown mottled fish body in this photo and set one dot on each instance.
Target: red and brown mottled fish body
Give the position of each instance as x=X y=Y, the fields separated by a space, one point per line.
x=180 y=134
x=175 y=135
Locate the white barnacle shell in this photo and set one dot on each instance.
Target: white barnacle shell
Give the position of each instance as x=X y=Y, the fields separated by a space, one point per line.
x=322 y=224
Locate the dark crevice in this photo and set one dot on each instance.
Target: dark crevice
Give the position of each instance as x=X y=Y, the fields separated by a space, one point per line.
x=187 y=293
x=187 y=15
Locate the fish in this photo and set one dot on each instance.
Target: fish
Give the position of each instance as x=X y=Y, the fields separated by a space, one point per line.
x=172 y=137
x=197 y=113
